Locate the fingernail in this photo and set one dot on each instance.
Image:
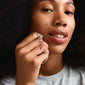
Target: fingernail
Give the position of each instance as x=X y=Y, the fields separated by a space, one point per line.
x=40 y=36
x=41 y=44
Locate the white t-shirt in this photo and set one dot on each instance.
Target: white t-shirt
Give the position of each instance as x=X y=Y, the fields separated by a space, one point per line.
x=67 y=76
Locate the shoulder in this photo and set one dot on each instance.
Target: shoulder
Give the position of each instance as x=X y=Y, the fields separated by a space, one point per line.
x=77 y=73
x=8 y=81
x=74 y=76
x=78 y=70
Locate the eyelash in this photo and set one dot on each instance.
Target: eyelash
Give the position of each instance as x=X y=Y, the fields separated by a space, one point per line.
x=46 y=10
x=66 y=12
x=69 y=12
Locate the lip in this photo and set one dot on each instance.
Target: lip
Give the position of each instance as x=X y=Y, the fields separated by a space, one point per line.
x=58 y=40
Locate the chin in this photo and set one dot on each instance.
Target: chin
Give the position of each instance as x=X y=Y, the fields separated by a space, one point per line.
x=57 y=49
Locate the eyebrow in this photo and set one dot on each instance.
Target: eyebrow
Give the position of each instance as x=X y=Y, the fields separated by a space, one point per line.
x=54 y=1
x=71 y=3
x=46 y=0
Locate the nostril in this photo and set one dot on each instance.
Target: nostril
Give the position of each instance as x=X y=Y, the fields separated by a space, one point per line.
x=60 y=24
x=64 y=25
x=57 y=23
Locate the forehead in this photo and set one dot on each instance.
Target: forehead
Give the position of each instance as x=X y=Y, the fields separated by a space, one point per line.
x=52 y=0
x=55 y=1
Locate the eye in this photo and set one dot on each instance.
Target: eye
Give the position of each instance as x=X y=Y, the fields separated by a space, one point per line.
x=69 y=12
x=46 y=10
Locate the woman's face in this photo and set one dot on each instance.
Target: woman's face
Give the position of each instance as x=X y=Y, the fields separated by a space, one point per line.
x=54 y=19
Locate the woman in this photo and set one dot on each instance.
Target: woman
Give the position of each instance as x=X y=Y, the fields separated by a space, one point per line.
x=42 y=62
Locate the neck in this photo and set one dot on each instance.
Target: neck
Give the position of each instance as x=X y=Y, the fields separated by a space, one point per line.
x=53 y=65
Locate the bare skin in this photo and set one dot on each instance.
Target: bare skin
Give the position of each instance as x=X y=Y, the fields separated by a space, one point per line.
x=28 y=59
x=32 y=61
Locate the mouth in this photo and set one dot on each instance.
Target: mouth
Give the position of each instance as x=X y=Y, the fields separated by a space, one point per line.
x=59 y=36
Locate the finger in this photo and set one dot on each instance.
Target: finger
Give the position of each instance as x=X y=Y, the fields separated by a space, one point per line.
x=27 y=48
x=42 y=58
x=27 y=40
x=37 y=51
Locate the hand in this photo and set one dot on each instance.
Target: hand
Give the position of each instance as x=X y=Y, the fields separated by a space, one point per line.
x=29 y=58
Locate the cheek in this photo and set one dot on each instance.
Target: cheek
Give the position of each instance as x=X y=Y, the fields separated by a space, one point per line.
x=36 y=23
x=40 y=21
x=71 y=28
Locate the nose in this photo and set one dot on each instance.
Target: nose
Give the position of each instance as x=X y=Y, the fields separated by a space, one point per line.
x=60 y=19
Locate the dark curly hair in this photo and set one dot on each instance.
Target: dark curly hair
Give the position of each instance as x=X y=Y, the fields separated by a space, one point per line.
x=14 y=27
